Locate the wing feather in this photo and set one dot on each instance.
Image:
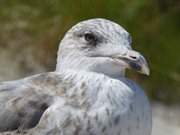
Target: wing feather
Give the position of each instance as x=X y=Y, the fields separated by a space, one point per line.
x=23 y=102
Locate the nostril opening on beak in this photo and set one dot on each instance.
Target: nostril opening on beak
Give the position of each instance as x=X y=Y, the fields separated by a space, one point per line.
x=133 y=57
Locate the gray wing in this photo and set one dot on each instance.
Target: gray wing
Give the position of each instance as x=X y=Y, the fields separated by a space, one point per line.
x=23 y=102
x=39 y=105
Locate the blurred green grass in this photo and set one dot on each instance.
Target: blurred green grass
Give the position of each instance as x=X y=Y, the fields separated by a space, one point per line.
x=153 y=24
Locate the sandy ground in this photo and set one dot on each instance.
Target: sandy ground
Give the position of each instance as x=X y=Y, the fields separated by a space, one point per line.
x=166 y=120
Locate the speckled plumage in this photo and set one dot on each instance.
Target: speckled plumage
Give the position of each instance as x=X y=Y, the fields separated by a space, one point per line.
x=86 y=95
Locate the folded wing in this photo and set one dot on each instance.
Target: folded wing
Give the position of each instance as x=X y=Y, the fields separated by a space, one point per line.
x=23 y=102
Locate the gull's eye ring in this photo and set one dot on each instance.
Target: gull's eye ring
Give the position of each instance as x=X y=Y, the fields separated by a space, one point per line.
x=90 y=38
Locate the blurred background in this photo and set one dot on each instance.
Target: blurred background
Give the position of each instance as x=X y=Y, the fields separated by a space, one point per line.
x=30 y=32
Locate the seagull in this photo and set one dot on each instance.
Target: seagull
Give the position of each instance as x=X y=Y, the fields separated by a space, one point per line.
x=87 y=94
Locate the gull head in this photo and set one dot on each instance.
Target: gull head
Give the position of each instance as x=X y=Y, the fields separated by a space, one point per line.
x=101 y=46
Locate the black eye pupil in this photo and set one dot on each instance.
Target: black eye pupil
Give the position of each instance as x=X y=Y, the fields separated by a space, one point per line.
x=89 y=37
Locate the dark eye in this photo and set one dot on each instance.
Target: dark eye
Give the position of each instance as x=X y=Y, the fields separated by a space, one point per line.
x=90 y=38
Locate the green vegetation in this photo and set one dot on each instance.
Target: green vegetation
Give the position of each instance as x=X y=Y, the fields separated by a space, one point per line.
x=153 y=24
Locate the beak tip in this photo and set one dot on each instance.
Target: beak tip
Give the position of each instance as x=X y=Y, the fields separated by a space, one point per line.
x=146 y=71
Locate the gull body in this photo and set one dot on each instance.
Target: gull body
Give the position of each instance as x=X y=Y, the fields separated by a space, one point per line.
x=87 y=94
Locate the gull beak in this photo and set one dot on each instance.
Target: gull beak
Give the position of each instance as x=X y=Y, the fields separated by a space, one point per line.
x=134 y=60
